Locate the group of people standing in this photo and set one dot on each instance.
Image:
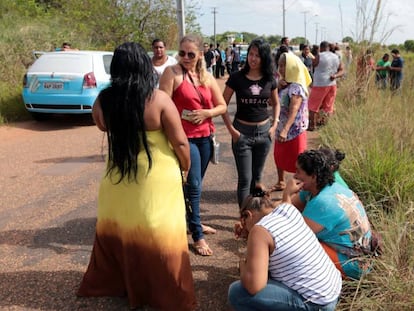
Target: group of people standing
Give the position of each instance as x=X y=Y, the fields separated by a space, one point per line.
x=218 y=60
x=389 y=72
x=159 y=147
x=324 y=67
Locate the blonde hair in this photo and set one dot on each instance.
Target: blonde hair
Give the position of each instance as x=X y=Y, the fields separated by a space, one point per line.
x=201 y=67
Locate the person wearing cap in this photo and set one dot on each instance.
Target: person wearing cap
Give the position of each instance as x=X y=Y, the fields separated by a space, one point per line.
x=396 y=70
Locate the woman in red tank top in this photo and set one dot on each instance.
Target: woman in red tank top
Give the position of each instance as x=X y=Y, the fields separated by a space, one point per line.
x=198 y=99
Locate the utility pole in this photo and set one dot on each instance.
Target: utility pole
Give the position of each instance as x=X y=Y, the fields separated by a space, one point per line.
x=316 y=33
x=323 y=33
x=284 y=13
x=214 y=13
x=304 y=22
x=342 y=22
x=180 y=19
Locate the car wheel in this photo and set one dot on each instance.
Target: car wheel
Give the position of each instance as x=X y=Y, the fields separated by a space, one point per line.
x=38 y=116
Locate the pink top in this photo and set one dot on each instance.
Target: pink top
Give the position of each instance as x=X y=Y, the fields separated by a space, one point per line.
x=186 y=97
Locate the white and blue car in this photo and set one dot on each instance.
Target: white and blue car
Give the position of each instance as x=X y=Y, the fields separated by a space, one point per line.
x=66 y=82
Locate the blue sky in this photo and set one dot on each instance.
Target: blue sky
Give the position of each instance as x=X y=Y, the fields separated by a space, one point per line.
x=325 y=19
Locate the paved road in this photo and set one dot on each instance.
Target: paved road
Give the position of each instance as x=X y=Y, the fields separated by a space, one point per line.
x=49 y=181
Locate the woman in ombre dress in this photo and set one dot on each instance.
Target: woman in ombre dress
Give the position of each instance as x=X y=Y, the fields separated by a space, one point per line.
x=140 y=249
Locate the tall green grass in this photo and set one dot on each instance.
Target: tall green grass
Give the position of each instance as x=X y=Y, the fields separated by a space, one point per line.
x=375 y=130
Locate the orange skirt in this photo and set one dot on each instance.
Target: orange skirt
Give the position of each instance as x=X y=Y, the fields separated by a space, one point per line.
x=333 y=255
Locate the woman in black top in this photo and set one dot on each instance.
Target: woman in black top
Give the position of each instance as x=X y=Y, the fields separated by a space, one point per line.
x=253 y=127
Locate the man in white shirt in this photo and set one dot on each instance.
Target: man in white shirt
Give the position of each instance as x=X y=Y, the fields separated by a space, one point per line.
x=327 y=68
x=160 y=60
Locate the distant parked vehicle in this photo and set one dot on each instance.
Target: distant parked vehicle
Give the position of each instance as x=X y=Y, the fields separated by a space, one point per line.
x=65 y=82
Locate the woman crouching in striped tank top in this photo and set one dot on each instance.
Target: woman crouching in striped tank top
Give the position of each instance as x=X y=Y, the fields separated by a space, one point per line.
x=285 y=267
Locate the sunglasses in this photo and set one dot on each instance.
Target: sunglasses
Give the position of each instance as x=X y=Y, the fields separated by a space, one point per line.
x=190 y=55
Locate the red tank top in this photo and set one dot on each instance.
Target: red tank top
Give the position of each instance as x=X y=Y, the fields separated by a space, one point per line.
x=186 y=97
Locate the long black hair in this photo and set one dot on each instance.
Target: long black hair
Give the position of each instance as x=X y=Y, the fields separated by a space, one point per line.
x=265 y=58
x=315 y=162
x=123 y=104
x=282 y=49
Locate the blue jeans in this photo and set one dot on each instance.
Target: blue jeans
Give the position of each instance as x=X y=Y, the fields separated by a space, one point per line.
x=275 y=296
x=250 y=153
x=200 y=153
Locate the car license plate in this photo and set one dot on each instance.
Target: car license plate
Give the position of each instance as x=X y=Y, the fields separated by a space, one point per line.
x=53 y=85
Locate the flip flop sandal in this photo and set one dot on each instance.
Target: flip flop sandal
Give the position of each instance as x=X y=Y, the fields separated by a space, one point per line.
x=202 y=250
x=208 y=229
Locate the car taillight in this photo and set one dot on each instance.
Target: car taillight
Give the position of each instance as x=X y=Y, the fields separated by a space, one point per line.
x=25 y=81
x=89 y=81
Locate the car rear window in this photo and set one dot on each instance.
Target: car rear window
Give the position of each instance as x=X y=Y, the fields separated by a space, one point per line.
x=61 y=62
x=107 y=59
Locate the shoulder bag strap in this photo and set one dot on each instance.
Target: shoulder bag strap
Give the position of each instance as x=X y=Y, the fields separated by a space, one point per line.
x=203 y=103
x=202 y=100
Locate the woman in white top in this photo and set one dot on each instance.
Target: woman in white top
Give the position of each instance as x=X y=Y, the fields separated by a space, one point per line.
x=285 y=267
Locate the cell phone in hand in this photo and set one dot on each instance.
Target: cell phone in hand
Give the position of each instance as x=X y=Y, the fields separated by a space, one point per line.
x=186 y=115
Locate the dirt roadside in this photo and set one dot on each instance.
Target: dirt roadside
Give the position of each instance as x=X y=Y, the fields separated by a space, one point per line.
x=49 y=178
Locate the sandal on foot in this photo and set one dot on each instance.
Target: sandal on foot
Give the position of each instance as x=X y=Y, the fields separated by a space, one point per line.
x=279 y=186
x=202 y=250
x=208 y=230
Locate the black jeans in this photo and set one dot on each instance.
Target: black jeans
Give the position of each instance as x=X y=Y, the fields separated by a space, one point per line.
x=235 y=66
x=250 y=152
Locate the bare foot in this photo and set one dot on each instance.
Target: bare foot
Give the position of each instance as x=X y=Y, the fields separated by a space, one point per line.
x=201 y=248
x=208 y=230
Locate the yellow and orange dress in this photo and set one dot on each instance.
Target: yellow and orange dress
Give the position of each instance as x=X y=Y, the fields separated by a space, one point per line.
x=140 y=247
